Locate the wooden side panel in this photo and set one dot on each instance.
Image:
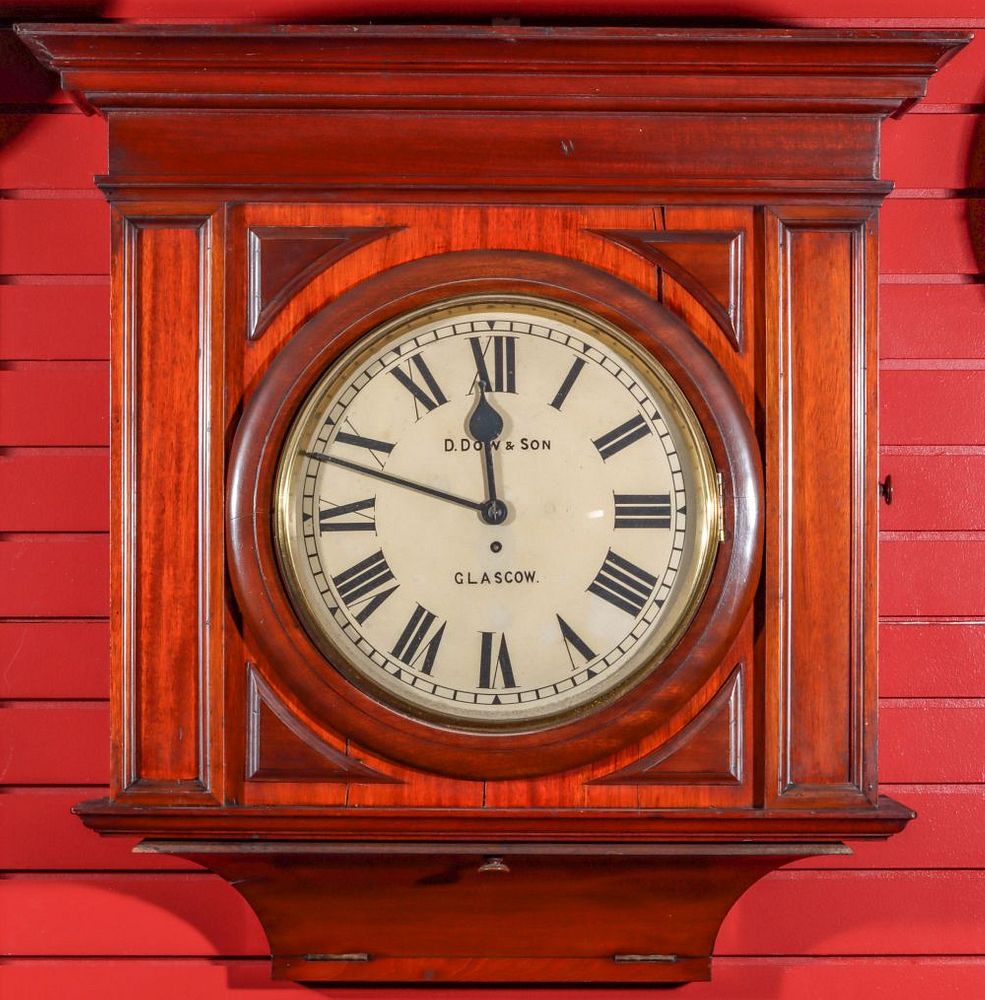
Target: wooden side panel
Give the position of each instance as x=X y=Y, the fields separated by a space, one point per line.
x=163 y=599
x=820 y=592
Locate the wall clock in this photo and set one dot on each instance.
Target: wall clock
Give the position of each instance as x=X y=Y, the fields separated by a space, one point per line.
x=495 y=490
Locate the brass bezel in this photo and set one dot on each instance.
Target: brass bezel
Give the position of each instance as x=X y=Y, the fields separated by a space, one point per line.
x=706 y=539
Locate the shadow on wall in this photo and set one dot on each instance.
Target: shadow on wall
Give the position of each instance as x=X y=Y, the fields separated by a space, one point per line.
x=24 y=83
x=975 y=191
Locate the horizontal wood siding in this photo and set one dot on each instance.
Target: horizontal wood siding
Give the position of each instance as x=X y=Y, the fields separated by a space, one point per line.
x=81 y=916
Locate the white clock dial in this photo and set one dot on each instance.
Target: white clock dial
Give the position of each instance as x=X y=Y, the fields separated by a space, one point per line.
x=496 y=512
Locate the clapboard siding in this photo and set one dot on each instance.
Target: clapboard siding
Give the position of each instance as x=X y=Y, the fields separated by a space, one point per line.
x=864 y=978
x=922 y=659
x=895 y=920
x=54 y=322
x=931 y=320
x=54 y=489
x=65 y=150
x=938 y=407
x=43 y=236
x=928 y=740
x=56 y=236
x=54 y=403
x=932 y=577
x=197 y=914
x=39 y=833
x=52 y=151
x=45 y=659
x=54 y=576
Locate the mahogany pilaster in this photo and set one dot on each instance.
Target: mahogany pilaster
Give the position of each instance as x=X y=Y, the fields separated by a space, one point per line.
x=167 y=463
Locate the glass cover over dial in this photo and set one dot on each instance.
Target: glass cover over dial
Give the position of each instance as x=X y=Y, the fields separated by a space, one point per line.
x=496 y=512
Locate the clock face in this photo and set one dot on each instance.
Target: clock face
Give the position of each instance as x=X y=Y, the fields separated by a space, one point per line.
x=496 y=512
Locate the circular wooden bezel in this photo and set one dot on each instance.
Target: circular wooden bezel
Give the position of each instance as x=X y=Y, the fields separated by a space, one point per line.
x=320 y=693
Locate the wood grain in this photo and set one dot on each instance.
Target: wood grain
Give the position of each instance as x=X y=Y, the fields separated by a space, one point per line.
x=163 y=333
x=820 y=545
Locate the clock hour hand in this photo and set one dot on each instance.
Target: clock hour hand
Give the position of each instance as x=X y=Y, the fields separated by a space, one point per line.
x=485 y=425
x=396 y=480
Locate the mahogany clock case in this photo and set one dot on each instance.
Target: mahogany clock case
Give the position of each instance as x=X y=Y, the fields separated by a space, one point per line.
x=293 y=666
x=713 y=192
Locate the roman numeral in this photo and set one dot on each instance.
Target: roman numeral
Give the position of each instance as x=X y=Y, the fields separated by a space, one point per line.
x=621 y=437
x=492 y=668
x=642 y=510
x=330 y=518
x=504 y=363
x=353 y=437
x=569 y=380
x=361 y=585
x=623 y=584
x=572 y=640
x=411 y=645
x=430 y=395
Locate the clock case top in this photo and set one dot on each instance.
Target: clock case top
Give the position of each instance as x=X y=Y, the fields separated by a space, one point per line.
x=730 y=175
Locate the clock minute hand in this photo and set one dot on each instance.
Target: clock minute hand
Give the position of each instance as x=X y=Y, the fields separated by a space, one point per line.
x=396 y=480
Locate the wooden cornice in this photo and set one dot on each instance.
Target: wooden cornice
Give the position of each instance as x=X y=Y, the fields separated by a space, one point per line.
x=125 y=66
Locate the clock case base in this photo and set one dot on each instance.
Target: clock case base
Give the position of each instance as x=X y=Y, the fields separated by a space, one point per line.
x=409 y=902
x=491 y=912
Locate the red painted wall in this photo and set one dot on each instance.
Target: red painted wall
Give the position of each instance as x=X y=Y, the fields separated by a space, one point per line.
x=82 y=917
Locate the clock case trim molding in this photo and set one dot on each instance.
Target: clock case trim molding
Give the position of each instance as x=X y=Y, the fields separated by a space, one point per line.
x=210 y=123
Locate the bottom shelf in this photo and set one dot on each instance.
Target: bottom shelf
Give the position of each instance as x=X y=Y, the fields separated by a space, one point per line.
x=473 y=912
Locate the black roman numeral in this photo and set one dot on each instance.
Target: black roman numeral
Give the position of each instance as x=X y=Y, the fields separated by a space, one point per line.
x=621 y=437
x=569 y=380
x=493 y=668
x=361 y=585
x=572 y=640
x=411 y=645
x=331 y=518
x=353 y=437
x=429 y=395
x=623 y=584
x=642 y=510
x=504 y=363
